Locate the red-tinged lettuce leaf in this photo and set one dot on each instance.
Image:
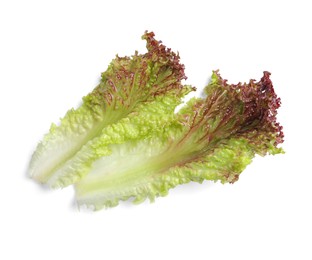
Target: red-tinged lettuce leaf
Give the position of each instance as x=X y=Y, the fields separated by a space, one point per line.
x=213 y=138
x=127 y=85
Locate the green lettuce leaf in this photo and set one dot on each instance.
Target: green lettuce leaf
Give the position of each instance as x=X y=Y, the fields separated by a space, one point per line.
x=212 y=138
x=126 y=89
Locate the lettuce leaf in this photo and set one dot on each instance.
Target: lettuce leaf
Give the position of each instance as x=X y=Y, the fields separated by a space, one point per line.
x=125 y=141
x=127 y=88
x=212 y=138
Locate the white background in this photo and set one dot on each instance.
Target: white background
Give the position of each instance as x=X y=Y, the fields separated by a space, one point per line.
x=52 y=54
